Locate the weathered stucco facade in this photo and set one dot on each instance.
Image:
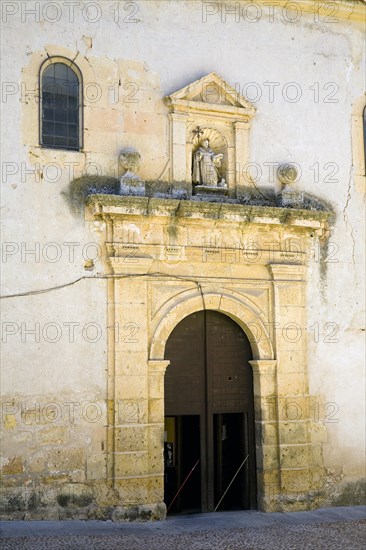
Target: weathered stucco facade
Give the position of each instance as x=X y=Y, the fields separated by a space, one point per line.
x=92 y=294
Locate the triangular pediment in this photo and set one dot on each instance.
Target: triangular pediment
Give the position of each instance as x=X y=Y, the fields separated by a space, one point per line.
x=211 y=90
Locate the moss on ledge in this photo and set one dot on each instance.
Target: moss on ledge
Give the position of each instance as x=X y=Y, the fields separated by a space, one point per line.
x=82 y=190
x=79 y=189
x=144 y=206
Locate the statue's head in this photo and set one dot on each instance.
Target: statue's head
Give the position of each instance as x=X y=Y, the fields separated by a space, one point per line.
x=206 y=143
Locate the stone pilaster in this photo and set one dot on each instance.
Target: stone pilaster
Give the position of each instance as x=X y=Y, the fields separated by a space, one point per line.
x=131 y=454
x=294 y=445
x=156 y=429
x=178 y=146
x=266 y=428
x=241 y=154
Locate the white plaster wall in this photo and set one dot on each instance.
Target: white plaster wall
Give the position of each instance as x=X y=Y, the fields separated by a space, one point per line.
x=176 y=47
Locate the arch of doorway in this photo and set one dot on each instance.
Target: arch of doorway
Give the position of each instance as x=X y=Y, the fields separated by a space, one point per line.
x=250 y=318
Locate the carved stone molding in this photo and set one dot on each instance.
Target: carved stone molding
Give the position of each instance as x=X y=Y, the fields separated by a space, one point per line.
x=286 y=272
x=157 y=366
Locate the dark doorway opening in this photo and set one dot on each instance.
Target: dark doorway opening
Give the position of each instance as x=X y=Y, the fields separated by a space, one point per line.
x=209 y=415
x=181 y=453
x=231 y=446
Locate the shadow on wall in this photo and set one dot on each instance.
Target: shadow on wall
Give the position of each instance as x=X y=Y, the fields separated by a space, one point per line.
x=79 y=189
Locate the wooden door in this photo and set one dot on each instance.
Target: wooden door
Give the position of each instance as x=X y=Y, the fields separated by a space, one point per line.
x=209 y=375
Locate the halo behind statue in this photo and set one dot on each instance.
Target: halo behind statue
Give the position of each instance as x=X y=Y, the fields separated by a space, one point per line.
x=217 y=140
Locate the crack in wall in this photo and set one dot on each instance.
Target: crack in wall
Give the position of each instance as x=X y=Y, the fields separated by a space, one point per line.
x=346 y=218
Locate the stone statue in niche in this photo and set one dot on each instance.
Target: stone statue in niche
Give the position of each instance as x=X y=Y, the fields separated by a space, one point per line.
x=206 y=166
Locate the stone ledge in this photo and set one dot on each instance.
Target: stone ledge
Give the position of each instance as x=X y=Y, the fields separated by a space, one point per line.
x=115 y=205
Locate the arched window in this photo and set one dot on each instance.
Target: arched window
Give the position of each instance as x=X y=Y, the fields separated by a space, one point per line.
x=61 y=105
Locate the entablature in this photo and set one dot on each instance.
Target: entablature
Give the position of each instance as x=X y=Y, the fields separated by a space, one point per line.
x=149 y=234
x=121 y=206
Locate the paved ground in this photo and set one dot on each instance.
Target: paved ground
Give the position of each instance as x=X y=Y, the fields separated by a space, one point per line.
x=341 y=528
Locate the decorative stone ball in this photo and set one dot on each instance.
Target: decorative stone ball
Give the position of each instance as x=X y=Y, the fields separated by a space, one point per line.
x=129 y=159
x=287 y=173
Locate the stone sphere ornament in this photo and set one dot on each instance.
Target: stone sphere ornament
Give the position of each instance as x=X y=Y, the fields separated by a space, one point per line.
x=129 y=159
x=287 y=173
x=130 y=183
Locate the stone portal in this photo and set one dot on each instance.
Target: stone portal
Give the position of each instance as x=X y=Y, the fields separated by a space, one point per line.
x=248 y=263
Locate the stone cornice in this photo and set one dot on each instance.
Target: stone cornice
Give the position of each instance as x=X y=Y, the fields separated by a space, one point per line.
x=115 y=206
x=181 y=106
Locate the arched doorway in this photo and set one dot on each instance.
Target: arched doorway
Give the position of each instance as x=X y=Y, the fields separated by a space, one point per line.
x=209 y=415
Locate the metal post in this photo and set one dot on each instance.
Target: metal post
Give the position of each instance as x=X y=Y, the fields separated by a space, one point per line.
x=238 y=470
x=181 y=487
